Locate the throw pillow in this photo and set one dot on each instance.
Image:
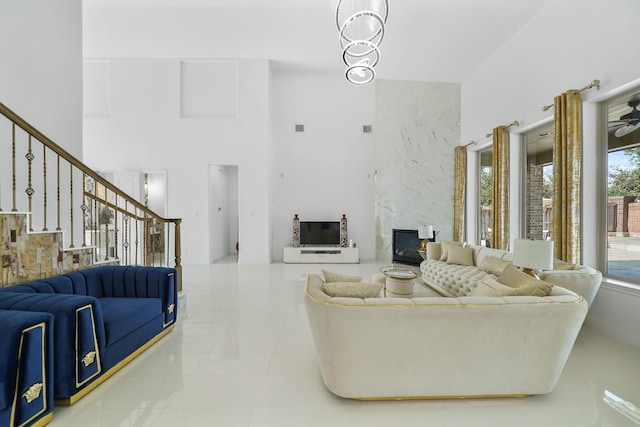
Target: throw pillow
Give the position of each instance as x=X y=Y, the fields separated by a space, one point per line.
x=444 y=248
x=493 y=265
x=352 y=289
x=525 y=284
x=460 y=255
x=330 y=276
x=558 y=264
x=490 y=287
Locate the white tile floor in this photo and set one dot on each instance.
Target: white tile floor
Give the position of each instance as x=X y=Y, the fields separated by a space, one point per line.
x=242 y=355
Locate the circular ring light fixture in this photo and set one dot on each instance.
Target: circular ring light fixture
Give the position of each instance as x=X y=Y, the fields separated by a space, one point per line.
x=359 y=50
x=360 y=74
x=380 y=7
x=361 y=25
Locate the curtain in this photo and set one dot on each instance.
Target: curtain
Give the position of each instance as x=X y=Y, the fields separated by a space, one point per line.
x=459 y=192
x=500 y=193
x=567 y=176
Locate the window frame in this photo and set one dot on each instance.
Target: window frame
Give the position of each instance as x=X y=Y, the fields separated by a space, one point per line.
x=479 y=230
x=602 y=250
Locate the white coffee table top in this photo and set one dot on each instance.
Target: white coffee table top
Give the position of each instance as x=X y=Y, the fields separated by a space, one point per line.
x=399 y=273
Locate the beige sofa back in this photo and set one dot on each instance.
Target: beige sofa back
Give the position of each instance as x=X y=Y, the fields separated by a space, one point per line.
x=584 y=281
x=378 y=348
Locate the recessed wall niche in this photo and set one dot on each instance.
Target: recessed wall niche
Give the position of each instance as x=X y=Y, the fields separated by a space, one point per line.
x=208 y=89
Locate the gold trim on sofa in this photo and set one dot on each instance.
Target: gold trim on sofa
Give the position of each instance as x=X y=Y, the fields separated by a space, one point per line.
x=43 y=421
x=479 y=396
x=89 y=358
x=42 y=326
x=33 y=392
x=170 y=309
x=73 y=399
x=95 y=346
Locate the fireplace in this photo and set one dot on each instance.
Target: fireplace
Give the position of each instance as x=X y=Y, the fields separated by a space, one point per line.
x=405 y=247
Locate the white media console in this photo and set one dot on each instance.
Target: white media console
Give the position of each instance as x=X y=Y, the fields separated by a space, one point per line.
x=320 y=255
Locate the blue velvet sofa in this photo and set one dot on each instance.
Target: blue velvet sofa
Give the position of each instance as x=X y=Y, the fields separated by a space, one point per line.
x=26 y=370
x=103 y=318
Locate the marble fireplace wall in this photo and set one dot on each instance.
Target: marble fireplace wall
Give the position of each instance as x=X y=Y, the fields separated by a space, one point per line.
x=417 y=129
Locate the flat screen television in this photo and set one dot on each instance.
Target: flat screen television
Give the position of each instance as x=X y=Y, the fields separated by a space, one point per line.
x=319 y=233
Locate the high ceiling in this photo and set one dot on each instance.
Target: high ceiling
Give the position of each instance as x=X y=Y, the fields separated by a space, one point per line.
x=431 y=40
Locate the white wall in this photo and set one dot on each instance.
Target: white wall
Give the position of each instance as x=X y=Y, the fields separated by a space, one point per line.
x=143 y=129
x=41 y=66
x=327 y=170
x=565 y=46
x=330 y=169
x=41 y=81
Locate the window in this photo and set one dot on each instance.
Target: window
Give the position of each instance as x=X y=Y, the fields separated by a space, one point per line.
x=485 y=195
x=623 y=188
x=538 y=183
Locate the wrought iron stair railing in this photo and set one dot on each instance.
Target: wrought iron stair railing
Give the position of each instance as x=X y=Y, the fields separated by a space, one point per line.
x=43 y=180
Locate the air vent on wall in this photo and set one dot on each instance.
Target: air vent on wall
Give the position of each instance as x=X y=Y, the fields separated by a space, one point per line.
x=299 y=128
x=367 y=129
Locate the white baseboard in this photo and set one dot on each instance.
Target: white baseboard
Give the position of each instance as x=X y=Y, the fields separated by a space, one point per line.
x=613 y=330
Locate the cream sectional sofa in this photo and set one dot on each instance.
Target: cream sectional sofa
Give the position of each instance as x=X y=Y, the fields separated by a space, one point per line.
x=442 y=347
x=461 y=280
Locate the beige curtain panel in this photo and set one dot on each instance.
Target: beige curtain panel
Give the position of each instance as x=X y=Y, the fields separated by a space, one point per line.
x=459 y=192
x=500 y=205
x=567 y=176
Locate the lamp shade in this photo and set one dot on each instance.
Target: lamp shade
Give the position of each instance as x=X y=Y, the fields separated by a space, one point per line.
x=533 y=254
x=425 y=232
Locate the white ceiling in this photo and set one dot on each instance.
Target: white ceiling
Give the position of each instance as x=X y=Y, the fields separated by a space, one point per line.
x=430 y=40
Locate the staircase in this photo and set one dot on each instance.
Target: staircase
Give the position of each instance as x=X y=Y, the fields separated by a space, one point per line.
x=58 y=215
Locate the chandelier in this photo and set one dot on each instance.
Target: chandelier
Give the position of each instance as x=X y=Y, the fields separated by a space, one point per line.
x=361 y=26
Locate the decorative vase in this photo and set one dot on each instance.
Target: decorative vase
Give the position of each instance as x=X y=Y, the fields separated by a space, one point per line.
x=343 y=231
x=296 y=231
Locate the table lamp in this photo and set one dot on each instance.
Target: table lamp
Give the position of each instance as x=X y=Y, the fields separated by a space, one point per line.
x=425 y=232
x=533 y=255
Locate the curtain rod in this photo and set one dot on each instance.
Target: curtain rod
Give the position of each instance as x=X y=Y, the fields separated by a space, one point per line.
x=595 y=83
x=470 y=143
x=513 y=123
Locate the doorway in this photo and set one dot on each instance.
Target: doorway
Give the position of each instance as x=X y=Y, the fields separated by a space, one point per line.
x=223 y=211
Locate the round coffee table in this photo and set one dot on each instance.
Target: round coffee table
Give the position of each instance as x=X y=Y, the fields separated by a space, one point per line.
x=399 y=280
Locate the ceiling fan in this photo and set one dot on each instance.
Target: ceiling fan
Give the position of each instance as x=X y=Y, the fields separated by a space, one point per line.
x=630 y=121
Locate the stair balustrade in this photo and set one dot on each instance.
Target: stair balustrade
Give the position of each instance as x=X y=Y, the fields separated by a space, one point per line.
x=43 y=186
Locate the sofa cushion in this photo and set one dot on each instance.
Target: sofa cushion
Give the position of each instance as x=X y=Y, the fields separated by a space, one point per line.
x=352 y=289
x=460 y=255
x=444 y=248
x=484 y=252
x=558 y=264
x=525 y=284
x=434 y=250
x=490 y=287
x=451 y=280
x=124 y=315
x=493 y=265
x=331 y=276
